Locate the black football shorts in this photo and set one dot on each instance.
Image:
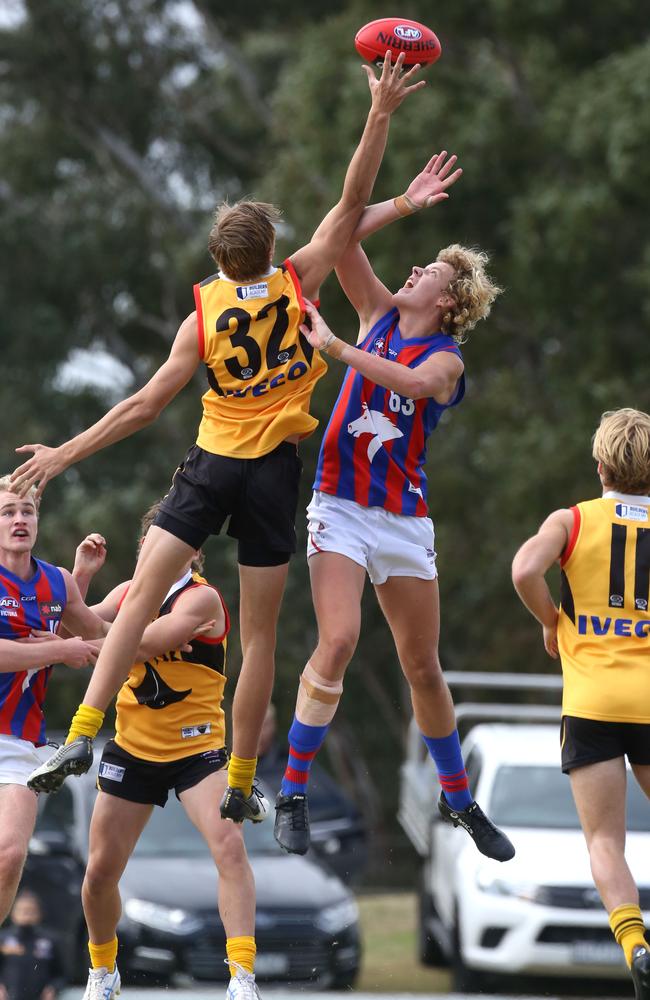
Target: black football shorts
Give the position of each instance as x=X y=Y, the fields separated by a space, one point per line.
x=136 y=780
x=588 y=741
x=259 y=495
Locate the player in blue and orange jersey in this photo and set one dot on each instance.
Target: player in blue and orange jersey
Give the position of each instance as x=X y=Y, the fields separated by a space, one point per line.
x=602 y=634
x=261 y=371
x=368 y=514
x=35 y=598
x=170 y=736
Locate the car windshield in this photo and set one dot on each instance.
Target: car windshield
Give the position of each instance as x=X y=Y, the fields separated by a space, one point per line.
x=540 y=797
x=169 y=832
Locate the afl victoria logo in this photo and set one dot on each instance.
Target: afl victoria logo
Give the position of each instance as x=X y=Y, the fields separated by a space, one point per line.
x=406 y=32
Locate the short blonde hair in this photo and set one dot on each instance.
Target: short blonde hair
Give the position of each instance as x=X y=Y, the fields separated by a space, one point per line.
x=471 y=288
x=147 y=520
x=622 y=446
x=6 y=486
x=242 y=238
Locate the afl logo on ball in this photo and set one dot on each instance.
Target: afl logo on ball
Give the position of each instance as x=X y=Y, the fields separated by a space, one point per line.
x=407 y=33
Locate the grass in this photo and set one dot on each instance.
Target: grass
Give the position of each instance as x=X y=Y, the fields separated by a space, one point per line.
x=390 y=962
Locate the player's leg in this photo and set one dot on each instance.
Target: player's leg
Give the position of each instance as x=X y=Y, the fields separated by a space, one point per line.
x=599 y=792
x=337 y=587
x=260 y=596
x=411 y=607
x=236 y=883
x=263 y=521
x=160 y=562
x=17 y=818
x=115 y=827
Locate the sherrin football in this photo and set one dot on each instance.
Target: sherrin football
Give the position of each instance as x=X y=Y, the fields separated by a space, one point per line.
x=418 y=43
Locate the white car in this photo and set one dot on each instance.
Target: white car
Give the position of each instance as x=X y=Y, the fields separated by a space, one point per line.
x=539 y=913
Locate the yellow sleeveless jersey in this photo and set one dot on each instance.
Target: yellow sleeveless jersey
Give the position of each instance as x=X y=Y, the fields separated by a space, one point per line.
x=604 y=624
x=261 y=369
x=170 y=706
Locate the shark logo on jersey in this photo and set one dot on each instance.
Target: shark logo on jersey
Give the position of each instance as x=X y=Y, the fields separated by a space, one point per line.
x=154 y=693
x=377 y=424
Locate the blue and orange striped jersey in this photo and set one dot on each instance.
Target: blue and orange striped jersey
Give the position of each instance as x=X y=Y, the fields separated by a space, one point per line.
x=374 y=447
x=37 y=603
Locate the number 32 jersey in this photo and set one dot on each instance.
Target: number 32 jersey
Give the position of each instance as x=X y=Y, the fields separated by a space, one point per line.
x=374 y=448
x=261 y=369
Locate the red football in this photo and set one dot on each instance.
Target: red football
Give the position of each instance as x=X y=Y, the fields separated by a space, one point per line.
x=419 y=44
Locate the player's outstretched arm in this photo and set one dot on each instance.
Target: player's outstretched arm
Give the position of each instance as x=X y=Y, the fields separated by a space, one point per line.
x=436 y=378
x=529 y=568
x=314 y=261
x=35 y=653
x=366 y=292
x=124 y=419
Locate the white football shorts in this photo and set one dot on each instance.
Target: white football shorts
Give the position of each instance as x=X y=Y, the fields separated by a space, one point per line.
x=385 y=544
x=18 y=758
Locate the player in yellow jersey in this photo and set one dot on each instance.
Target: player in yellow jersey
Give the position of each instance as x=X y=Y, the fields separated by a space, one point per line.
x=170 y=735
x=261 y=372
x=602 y=634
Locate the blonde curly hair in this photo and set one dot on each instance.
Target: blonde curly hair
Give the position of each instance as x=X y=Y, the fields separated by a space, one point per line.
x=622 y=446
x=471 y=288
x=6 y=486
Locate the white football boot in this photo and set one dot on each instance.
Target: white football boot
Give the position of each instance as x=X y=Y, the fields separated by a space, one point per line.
x=102 y=984
x=242 y=986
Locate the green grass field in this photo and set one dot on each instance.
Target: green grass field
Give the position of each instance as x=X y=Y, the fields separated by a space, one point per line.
x=390 y=962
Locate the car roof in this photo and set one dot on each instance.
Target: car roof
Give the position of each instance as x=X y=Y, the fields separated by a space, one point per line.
x=516 y=744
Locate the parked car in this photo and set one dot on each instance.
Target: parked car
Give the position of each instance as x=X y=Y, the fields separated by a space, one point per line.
x=306 y=923
x=539 y=913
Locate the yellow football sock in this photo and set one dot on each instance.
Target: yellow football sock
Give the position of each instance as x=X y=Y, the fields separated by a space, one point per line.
x=86 y=721
x=241 y=773
x=242 y=951
x=102 y=956
x=627 y=926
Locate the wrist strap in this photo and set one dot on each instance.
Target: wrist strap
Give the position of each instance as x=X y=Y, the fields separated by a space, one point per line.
x=405 y=205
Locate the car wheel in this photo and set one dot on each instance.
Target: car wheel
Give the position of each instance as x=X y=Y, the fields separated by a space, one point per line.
x=429 y=950
x=463 y=979
x=346 y=981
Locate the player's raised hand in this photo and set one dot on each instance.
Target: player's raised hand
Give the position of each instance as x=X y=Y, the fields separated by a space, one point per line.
x=90 y=555
x=430 y=185
x=391 y=87
x=45 y=464
x=318 y=334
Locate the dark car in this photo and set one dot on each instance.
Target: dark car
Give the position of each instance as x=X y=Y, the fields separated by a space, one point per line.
x=306 y=923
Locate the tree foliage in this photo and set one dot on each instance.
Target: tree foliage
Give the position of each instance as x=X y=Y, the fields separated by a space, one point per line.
x=124 y=122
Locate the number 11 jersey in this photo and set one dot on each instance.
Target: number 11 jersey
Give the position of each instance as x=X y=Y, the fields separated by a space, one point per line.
x=261 y=369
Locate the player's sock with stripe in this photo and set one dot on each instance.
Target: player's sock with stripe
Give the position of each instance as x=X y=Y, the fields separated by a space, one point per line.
x=626 y=922
x=103 y=956
x=87 y=721
x=318 y=699
x=241 y=772
x=450 y=765
x=304 y=744
x=241 y=950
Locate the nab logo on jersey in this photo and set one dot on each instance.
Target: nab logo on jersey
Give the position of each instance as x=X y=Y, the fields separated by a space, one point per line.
x=49 y=610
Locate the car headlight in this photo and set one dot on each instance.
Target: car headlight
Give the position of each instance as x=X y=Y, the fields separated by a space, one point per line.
x=495 y=885
x=337 y=917
x=172 y=920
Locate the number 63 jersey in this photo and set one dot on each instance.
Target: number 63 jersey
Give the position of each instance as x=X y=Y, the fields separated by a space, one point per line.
x=261 y=369
x=374 y=447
